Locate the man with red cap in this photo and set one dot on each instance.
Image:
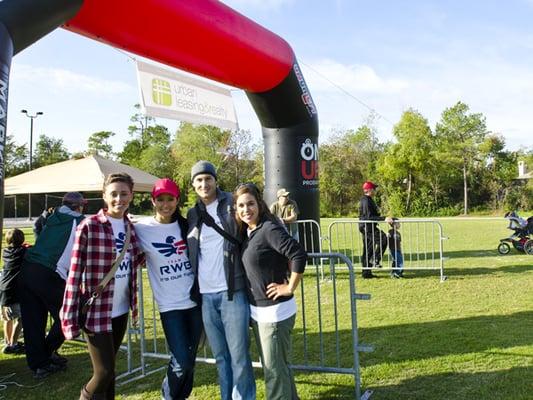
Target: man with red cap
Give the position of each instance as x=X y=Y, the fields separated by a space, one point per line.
x=374 y=240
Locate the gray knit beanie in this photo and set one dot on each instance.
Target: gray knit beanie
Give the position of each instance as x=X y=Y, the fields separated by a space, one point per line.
x=203 y=167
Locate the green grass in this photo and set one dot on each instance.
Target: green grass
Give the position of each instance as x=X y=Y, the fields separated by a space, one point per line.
x=470 y=337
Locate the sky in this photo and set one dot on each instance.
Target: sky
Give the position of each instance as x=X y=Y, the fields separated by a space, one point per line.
x=358 y=57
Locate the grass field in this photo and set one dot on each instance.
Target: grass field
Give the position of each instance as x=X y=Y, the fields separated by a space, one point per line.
x=470 y=337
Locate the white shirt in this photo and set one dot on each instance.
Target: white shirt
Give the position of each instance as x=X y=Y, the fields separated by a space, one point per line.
x=169 y=269
x=274 y=313
x=211 y=276
x=63 y=264
x=121 y=293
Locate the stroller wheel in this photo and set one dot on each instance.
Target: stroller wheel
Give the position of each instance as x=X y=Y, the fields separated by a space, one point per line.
x=504 y=248
x=528 y=247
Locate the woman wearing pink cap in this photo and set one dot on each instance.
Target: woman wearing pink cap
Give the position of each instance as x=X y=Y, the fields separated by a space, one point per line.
x=163 y=240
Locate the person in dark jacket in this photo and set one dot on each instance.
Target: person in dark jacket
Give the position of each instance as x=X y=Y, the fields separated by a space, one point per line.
x=42 y=284
x=374 y=240
x=40 y=222
x=215 y=259
x=9 y=302
x=274 y=263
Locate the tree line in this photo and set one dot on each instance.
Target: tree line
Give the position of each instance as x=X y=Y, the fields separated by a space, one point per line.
x=454 y=168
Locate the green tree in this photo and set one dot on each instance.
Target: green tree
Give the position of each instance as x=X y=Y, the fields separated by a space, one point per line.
x=140 y=123
x=460 y=135
x=149 y=148
x=16 y=157
x=98 y=144
x=346 y=161
x=405 y=162
x=49 y=150
x=231 y=152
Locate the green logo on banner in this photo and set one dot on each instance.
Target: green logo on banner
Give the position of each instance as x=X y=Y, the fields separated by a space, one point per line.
x=161 y=93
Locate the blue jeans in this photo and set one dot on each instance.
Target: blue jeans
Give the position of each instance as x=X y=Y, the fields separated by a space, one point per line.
x=227 y=328
x=397 y=262
x=183 y=329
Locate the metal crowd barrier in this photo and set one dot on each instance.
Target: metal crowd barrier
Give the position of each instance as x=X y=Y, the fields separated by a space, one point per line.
x=421 y=243
x=325 y=339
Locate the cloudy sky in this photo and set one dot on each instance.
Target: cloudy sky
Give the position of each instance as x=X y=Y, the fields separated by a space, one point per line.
x=356 y=56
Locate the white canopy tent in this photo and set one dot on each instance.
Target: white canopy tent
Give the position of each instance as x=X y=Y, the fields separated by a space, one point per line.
x=83 y=175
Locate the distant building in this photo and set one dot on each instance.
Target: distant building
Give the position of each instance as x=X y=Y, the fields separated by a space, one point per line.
x=523 y=172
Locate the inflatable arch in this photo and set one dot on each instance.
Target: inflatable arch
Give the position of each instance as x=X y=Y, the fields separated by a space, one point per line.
x=204 y=37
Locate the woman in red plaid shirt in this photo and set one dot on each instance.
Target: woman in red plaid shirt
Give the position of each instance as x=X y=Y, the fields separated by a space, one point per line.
x=99 y=240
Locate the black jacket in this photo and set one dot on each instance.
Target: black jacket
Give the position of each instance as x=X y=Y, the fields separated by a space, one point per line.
x=8 y=284
x=368 y=211
x=233 y=269
x=266 y=255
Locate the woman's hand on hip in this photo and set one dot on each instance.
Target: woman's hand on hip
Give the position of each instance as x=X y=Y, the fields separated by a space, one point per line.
x=277 y=290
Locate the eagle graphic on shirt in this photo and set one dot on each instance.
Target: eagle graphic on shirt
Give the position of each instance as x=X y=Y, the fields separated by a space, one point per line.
x=119 y=241
x=171 y=246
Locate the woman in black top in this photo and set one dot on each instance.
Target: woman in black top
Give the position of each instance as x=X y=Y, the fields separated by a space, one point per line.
x=269 y=254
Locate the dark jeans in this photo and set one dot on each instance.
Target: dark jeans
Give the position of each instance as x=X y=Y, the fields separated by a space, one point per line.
x=374 y=246
x=183 y=329
x=103 y=348
x=41 y=292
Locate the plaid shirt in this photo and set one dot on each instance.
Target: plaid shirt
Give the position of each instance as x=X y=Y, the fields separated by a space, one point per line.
x=92 y=257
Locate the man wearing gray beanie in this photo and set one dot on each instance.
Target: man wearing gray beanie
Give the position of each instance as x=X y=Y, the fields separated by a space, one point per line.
x=214 y=253
x=203 y=167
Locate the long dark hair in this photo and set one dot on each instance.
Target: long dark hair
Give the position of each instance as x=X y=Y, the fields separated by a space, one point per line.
x=264 y=211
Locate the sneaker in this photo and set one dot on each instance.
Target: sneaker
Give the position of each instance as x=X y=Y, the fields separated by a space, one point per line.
x=8 y=350
x=55 y=358
x=396 y=275
x=47 y=370
x=369 y=275
x=19 y=348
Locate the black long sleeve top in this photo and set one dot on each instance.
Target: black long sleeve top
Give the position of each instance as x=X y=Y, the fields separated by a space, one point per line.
x=368 y=211
x=267 y=255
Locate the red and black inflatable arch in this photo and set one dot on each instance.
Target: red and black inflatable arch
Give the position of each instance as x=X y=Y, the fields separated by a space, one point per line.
x=204 y=37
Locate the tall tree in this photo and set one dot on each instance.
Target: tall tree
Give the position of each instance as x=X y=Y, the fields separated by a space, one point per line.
x=49 y=150
x=98 y=144
x=200 y=142
x=405 y=161
x=460 y=134
x=140 y=122
x=16 y=157
x=346 y=161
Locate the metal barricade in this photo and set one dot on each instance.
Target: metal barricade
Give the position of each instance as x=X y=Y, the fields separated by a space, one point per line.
x=365 y=243
x=324 y=338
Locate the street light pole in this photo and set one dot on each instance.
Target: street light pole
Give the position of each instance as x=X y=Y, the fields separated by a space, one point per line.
x=31 y=117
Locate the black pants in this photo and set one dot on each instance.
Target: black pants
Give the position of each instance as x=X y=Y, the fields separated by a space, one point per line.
x=103 y=348
x=41 y=292
x=374 y=246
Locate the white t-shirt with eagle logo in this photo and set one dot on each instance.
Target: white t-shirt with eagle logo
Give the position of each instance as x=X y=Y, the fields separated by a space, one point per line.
x=169 y=269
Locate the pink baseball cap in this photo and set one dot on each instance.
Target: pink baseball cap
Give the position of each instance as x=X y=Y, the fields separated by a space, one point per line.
x=165 y=186
x=369 y=185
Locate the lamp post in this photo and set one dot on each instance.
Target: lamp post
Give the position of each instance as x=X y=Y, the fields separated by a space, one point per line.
x=31 y=117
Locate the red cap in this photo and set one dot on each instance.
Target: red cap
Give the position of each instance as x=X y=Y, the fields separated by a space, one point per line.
x=369 y=185
x=165 y=186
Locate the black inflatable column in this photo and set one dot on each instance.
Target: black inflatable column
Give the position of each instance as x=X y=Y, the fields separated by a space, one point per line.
x=6 y=53
x=290 y=133
x=23 y=22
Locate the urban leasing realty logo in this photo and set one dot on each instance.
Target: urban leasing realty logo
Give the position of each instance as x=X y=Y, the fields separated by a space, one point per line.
x=309 y=164
x=161 y=92
x=171 y=247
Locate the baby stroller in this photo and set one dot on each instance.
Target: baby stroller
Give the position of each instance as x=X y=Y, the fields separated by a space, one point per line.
x=520 y=239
